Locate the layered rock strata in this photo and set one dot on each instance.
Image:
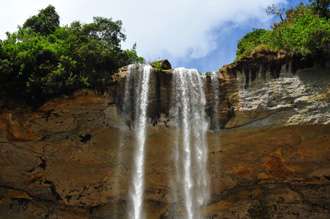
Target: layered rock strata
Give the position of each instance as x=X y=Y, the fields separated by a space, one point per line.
x=271 y=158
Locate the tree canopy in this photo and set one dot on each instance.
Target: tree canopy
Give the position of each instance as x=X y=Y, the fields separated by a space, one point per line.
x=321 y=7
x=43 y=60
x=46 y=22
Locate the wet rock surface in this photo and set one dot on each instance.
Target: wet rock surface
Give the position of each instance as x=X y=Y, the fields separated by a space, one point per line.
x=72 y=157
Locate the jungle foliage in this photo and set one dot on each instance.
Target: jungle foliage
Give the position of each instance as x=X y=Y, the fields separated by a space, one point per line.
x=43 y=60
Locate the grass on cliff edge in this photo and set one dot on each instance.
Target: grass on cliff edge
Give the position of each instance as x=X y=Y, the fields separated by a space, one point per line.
x=304 y=31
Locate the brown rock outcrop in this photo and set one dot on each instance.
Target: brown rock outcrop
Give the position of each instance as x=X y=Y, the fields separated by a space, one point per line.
x=72 y=157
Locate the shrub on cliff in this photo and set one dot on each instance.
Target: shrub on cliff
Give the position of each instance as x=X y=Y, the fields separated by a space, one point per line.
x=43 y=60
x=252 y=40
x=303 y=32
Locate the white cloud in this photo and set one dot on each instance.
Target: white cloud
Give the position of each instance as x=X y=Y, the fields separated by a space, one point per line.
x=177 y=28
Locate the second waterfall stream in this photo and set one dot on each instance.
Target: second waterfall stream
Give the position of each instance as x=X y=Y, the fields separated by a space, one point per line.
x=190 y=184
x=190 y=152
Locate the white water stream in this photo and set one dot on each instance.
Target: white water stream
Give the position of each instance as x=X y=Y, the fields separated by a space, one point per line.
x=190 y=147
x=141 y=92
x=191 y=186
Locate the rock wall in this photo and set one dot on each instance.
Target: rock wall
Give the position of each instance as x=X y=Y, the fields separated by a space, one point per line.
x=71 y=158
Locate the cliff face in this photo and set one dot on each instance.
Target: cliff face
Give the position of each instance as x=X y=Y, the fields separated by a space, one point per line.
x=72 y=157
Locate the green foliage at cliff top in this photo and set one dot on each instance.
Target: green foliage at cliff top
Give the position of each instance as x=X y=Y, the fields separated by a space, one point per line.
x=43 y=60
x=305 y=31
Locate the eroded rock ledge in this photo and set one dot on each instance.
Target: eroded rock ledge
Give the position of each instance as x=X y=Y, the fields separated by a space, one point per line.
x=270 y=62
x=270 y=160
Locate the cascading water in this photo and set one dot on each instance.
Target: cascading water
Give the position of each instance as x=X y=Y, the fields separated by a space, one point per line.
x=138 y=83
x=191 y=148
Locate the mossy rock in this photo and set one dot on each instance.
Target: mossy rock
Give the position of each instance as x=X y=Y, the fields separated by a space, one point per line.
x=162 y=65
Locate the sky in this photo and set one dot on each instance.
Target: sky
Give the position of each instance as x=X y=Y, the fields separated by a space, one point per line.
x=201 y=34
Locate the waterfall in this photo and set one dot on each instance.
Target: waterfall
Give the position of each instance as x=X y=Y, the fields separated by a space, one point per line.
x=190 y=147
x=191 y=186
x=138 y=83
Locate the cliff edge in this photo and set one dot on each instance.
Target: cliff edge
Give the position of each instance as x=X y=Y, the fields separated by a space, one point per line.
x=269 y=159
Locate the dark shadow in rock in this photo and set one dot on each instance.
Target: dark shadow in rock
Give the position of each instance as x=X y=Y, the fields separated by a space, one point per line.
x=85 y=138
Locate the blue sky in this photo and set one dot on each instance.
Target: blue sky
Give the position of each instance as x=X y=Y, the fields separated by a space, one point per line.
x=227 y=40
x=200 y=34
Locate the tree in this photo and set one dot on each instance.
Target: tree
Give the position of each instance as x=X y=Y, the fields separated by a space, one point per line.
x=106 y=30
x=276 y=10
x=321 y=7
x=45 y=22
x=43 y=60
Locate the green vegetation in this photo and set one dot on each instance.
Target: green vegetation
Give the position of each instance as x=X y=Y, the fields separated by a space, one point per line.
x=43 y=60
x=252 y=40
x=161 y=65
x=303 y=31
x=157 y=65
x=321 y=7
